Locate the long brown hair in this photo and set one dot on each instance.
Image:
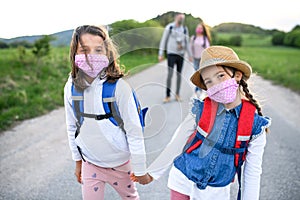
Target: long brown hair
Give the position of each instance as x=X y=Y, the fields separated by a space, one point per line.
x=112 y=72
x=206 y=33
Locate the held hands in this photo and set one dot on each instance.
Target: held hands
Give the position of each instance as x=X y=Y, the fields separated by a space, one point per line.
x=145 y=179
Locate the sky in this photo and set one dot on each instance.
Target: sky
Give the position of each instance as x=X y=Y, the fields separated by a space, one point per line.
x=43 y=17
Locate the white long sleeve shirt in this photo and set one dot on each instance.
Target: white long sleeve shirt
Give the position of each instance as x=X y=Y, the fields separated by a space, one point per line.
x=101 y=142
x=179 y=182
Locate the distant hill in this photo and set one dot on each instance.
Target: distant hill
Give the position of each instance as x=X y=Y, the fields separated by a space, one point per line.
x=240 y=28
x=62 y=38
x=29 y=39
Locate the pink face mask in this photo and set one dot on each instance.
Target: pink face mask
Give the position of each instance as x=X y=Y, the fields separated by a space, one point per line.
x=199 y=30
x=224 y=92
x=97 y=63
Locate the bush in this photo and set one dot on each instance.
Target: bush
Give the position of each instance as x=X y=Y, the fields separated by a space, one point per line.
x=236 y=40
x=292 y=38
x=227 y=40
x=278 y=38
x=3 y=45
x=22 y=43
x=221 y=41
x=42 y=46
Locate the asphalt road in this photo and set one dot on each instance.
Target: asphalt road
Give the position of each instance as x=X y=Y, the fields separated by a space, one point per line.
x=35 y=160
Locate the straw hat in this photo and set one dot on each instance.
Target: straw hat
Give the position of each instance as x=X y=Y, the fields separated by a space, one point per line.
x=220 y=55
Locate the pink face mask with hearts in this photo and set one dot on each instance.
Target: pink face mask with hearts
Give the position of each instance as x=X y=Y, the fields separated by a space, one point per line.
x=95 y=64
x=224 y=92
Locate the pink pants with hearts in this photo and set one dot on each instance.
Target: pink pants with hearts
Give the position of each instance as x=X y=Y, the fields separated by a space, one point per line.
x=94 y=179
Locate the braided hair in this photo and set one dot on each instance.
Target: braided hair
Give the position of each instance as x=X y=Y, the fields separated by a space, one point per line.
x=245 y=89
x=250 y=97
x=243 y=83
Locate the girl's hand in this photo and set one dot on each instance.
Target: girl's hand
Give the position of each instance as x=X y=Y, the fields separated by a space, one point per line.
x=145 y=179
x=78 y=171
x=160 y=58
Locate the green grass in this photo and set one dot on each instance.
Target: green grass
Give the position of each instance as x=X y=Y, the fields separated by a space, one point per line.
x=138 y=60
x=248 y=40
x=279 y=64
x=29 y=88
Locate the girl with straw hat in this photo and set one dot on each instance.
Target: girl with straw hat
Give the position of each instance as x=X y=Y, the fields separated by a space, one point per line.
x=221 y=135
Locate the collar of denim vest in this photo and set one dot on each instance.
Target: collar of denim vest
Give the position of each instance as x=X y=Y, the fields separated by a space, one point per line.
x=236 y=110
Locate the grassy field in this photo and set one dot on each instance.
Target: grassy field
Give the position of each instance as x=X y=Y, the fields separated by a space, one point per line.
x=30 y=87
x=279 y=64
x=249 y=40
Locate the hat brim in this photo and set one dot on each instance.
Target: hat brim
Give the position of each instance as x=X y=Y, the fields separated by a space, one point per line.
x=240 y=65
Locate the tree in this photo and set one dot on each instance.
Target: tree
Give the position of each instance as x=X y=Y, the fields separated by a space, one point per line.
x=278 y=38
x=3 y=45
x=23 y=43
x=293 y=38
x=41 y=47
x=235 y=40
x=131 y=35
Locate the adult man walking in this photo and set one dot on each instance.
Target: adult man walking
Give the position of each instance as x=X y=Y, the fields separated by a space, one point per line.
x=175 y=40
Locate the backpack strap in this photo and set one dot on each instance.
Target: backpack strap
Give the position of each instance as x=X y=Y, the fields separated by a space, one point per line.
x=243 y=137
x=170 y=31
x=205 y=123
x=244 y=130
x=141 y=112
x=78 y=108
x=185 y=37
x=167 y=39
x=77 y=105
x=110 y=105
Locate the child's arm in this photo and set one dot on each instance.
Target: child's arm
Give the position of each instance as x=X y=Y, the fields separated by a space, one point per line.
x=253 y=168
x=132 y=126
x=174 y=148
x=70 y=121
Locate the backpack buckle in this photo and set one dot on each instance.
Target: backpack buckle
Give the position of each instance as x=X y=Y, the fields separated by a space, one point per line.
x=101 y=117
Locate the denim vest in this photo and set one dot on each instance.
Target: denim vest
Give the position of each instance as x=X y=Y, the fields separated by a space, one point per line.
x=207 y=165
